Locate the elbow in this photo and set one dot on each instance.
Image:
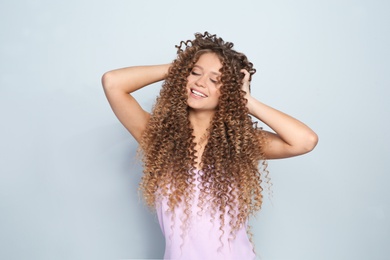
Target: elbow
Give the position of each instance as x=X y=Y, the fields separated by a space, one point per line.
x=311 y=142
x=107 y=80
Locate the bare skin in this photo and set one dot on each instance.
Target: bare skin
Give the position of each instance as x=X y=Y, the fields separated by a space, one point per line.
x=290 y=138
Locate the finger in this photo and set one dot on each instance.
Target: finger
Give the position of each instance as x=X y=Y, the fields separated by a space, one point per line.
x=245 y=81
x=247 y=75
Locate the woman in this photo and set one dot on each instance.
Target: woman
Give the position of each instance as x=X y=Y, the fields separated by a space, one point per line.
x=201 y=150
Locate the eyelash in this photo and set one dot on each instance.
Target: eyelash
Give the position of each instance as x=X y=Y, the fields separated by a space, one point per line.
x=197 y=74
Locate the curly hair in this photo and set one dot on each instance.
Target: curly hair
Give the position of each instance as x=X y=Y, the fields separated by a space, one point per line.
x=231 y=179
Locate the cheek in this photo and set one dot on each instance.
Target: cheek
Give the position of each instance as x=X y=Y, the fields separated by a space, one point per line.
x=190 y=78
x=217 y=92
x=188 y=82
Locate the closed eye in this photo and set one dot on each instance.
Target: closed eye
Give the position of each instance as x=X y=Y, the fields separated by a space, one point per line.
x=195 y=73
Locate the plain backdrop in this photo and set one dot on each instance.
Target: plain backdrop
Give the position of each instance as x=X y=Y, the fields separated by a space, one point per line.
x=68 y=169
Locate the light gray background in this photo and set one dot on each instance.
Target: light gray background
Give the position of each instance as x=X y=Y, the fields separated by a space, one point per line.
x=68 y=172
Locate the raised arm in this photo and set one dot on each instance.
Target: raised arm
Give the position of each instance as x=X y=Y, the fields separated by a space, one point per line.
x=118 y=84
x=291 y=137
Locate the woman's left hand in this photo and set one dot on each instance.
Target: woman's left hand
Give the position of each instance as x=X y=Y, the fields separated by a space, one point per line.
x=246 y=85
x=291 y=136
x=246 y=81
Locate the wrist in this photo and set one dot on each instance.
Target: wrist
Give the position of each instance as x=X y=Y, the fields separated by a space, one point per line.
x=249 y=103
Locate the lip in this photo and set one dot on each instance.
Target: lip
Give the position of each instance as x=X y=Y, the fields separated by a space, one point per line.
x=191 y=89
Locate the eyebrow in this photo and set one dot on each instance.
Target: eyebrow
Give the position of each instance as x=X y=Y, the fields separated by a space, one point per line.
x=212 y=72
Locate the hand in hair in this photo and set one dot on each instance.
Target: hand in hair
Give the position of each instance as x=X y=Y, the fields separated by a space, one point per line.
x=246 y=83
x=291 y=136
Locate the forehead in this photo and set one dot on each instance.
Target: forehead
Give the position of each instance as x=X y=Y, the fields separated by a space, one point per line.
x=209 y=61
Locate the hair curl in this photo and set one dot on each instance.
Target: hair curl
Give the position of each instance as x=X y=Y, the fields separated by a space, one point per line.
x=231 y=179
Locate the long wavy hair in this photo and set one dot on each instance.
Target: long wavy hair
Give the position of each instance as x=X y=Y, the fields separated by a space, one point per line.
x=230 y=182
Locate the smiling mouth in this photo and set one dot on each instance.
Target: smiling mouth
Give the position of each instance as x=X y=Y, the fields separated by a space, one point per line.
x=197 y=93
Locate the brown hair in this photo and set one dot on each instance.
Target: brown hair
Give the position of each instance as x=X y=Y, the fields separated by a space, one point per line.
x=231 y=179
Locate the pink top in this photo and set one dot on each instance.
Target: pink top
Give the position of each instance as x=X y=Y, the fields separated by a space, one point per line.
x=201 y=240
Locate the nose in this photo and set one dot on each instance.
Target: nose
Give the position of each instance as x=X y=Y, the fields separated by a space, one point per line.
x=200 y=82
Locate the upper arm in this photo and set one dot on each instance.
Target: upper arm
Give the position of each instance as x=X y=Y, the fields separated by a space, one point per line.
x=126 y=108
x=276 y=148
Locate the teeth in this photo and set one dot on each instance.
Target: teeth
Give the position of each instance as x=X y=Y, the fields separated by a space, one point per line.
x=198 y=93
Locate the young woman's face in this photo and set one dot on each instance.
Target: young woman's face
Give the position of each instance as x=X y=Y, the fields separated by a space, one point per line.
x=204 y=82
